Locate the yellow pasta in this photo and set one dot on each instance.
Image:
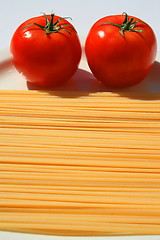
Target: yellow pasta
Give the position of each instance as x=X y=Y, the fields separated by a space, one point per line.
x=80 y=164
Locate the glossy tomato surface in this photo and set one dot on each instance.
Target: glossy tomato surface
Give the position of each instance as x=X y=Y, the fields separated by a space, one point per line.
x=120 y=59
x=46 y=60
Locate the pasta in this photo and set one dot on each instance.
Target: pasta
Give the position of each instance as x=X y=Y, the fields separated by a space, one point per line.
x=79 y=164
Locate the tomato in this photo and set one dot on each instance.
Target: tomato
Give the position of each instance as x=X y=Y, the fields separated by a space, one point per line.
x=120 y=50
x=46 y=50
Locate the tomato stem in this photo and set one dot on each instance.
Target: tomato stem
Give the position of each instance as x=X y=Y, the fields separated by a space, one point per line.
x=127 y=25
x=51 y=26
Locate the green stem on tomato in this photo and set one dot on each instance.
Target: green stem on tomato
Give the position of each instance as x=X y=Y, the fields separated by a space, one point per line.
x=51 y=26
x=127 y=25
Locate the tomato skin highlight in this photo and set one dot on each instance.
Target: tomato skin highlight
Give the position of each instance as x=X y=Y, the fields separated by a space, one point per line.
x=120 y=61
x=46 y=60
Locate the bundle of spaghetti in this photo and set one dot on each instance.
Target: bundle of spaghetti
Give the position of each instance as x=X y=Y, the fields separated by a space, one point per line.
x=81 y=164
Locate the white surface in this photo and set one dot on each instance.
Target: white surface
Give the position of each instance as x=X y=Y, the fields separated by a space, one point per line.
x=19 y=236
x=84 y=14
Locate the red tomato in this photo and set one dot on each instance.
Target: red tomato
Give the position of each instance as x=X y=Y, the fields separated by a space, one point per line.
x=120 y=50
x=46 y=50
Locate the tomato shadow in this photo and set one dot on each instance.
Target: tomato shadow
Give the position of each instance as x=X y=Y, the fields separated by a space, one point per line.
x=84 y=83
x=5 y=65
x=81 y=84
x=150 y=85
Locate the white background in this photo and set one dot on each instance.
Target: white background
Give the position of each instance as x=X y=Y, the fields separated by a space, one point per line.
x=84 y=13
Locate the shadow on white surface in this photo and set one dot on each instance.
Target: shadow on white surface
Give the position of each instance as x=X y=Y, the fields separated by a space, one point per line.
x=5 y=65
x=82 y=81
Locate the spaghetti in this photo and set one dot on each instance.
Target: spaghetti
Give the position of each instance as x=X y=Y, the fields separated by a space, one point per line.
x=79 y=165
